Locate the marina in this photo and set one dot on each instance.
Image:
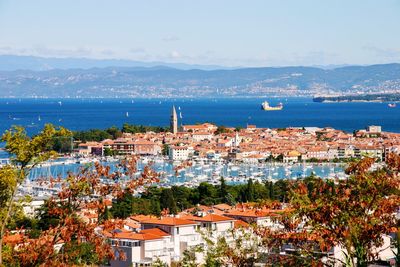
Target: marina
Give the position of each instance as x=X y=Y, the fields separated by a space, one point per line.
x=172 y=174
x=201 y=170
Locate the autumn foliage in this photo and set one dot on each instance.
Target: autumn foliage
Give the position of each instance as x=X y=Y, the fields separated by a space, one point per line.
x=352 y=214
x=73 y=238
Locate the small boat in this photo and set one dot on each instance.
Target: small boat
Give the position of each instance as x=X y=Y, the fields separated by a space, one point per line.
x=392 y=105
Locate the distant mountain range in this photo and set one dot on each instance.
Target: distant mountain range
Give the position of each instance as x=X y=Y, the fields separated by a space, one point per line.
x=115 y=78
x=12 y=62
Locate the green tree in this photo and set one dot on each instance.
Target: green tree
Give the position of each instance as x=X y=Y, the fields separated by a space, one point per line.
x=165 y=150
x=248 y=193
x=92 y=135
x=222 y=129
x=167 y=201
x=122 y=208
x=109 y=152
x=155 y=207
x=281 y=190
x=223 y=190
x=207 y=194
x=114 y=132
x=104 y=215
x=159 y=263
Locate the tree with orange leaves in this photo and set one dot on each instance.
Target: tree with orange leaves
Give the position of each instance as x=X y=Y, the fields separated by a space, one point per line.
x=69 y=241
x=25 y=153
x=354 y=213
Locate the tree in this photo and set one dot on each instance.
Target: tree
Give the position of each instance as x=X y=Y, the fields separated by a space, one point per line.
x=354 y=213
x=189 y=259
x=109 y=152
x=26 y=153
x=122 y=208
x=238 y=247
x=207 y=193
x=167 y=201
x=159 y=263
x=223 y=190
x=165 y=150
x=79 y=191
x=104 y=215
x=114 y=132
x=248 y=192
x=396 y=245
x=222 y=129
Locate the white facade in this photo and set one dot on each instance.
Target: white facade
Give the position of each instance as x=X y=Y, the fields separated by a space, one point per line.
x=142 y=252
x=183 y=237
x=179 y=153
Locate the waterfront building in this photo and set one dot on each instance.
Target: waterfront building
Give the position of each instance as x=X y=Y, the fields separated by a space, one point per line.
x=374 y=129
x=144 y=147
x=178 y=152
x=200 y=136
x=90 y=148
x=205 y=127
x=291 y=156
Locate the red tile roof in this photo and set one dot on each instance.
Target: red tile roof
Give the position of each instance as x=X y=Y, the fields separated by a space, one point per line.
x=143 y=235
x=169 y=221
x=241 y=224
x=211 y=218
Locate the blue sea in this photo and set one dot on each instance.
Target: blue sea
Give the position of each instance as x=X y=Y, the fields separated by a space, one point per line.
x=82 y=114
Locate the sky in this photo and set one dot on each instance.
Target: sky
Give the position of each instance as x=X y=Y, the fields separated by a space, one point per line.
x=209 y=32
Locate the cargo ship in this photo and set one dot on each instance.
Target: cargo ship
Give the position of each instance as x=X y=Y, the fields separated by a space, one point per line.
x=265 y=106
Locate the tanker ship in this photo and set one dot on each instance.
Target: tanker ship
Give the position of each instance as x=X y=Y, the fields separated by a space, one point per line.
x=265 y=106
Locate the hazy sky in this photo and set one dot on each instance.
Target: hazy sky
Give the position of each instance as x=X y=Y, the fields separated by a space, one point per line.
x=223 y=32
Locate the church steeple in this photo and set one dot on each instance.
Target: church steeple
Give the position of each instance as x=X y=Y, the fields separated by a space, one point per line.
x=174 y=121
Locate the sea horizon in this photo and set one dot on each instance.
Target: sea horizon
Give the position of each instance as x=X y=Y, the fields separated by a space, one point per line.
x=102 y=113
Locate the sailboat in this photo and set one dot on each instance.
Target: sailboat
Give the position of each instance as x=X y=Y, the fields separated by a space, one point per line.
x=39 y=119
x=127 y=114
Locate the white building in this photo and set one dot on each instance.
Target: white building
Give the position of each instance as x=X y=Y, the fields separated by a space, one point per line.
x=184 y=234
x=179 y=152
x=200 y=136
x=142 y=248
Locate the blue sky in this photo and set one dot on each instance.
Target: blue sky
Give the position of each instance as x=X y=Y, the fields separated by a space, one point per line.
x=222 y=32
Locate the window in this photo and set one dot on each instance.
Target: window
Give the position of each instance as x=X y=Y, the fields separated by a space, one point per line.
x=177 y=230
